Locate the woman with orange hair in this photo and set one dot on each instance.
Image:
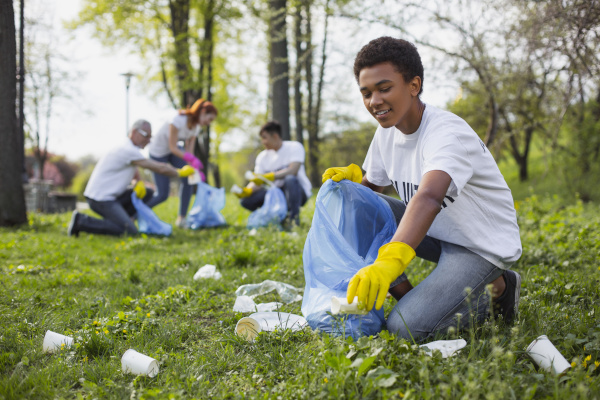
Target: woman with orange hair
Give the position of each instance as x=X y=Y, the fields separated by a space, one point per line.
x=164 y=147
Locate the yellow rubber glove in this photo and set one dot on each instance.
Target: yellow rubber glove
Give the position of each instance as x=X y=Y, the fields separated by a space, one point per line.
x=140 y=190
x=259 y=179
x=244 y=193
x=185 y=171
x=351 y=172
x=374 y=281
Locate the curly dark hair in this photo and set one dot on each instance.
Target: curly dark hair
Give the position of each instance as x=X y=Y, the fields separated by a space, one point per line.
x=271 y=127
x=402 y=54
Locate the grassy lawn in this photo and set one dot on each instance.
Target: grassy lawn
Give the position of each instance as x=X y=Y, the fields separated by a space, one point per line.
x=112 y=294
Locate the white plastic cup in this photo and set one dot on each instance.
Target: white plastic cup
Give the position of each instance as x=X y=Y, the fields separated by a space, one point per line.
x=235 y=189
x=248 y=328
x=546 y=356
x=139 y=364
x=339 y=305
x=54 y=342
x=194 y=178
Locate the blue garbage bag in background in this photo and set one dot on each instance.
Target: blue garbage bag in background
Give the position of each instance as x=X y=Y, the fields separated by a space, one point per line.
x=350 y=223
x=273 y=210
x=148 y=221
x=206 y=212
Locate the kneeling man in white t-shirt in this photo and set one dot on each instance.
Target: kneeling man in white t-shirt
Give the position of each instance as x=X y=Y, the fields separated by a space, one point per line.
x=455 y=208
x=282 y=161
x=107 y=190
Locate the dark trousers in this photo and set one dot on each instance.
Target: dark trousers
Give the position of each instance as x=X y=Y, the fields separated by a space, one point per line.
x=118 y=215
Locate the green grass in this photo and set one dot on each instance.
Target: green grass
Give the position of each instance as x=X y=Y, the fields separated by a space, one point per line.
x=112 y=294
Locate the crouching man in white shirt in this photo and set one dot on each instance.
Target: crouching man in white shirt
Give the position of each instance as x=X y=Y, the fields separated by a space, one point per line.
x=107 y=190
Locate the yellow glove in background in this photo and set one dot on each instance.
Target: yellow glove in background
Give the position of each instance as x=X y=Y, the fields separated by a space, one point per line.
x=244 y=193
x=259 y=179
x=185 y=171
x=140 y=190
x=373 y=281
x=351 y=172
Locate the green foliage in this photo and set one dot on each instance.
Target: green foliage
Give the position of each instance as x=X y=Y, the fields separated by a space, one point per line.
x=116 y=293
x=80 y=181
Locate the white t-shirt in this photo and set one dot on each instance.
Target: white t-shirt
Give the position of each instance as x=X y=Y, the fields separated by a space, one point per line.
x=275 y=160
x=113 y=173
x=159 y=145
x=478 y=212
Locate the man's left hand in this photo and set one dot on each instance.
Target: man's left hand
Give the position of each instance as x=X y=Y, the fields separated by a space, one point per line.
x=373 y=281
x=259 y=179
x=140 y=190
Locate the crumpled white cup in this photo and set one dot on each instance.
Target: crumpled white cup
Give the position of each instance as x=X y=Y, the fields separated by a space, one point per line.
x=207 y=271
x=139 y=364
x=53 y=342
x=339 y=305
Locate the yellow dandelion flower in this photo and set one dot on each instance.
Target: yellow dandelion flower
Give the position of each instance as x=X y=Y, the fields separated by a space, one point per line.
x=62 y=346
x=588 y=358
x=401 y=395
x=147 y=315
x=597 y=364
x=95 y=323
x=325 y=380
x=573 y=364
x=124 y=330
x=106 y=331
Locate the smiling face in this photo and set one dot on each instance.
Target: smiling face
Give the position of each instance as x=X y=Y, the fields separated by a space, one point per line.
x=389 y=98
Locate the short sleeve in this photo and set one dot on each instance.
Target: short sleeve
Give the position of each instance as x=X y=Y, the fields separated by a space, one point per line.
x=373 y=164
x=296 y=153
x=447 y=153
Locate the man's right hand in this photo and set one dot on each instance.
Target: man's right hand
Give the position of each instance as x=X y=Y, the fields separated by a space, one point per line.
x=244 y=193
x=185 y=171
x=140 y=190
x=351 y=172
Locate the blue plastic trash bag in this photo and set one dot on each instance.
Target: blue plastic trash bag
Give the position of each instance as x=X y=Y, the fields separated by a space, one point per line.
x=349 y=225
x=206 y=212
x=148 y=221
x=273 y=210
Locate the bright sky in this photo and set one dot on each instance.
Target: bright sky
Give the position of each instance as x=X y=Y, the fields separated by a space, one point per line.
x=96 y=119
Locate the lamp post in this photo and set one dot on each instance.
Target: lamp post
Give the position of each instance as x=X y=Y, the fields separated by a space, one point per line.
x=127 y=76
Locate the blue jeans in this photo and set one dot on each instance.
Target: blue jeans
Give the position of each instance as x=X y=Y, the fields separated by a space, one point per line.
x=294 y=195
x=162 y=185
x=118 y=215
x=452 y=295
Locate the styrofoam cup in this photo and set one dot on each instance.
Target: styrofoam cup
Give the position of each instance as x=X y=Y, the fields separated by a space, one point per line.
x=235 y=189
x=248 y=328
x=139 y=364
x=546 y=356
x=53 y=342
x=339 y=305
x=194 y=178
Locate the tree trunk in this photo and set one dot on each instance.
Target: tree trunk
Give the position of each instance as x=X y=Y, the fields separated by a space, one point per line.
x=12 y=199
x=180 y=16
x=278 y=66
x=298 y=40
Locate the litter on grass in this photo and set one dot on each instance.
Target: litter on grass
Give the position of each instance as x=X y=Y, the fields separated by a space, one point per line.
x=246 y=304
x=287 y=292
x=546 y=356
x=208 y=271
x=55 y=342
x=446 y=347
x=249 y=327
x=139 y=364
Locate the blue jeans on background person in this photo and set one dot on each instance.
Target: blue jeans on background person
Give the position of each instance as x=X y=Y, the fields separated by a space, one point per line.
x=118 y=215
x=452 y=295
x=162 y=185
x=294 y=195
